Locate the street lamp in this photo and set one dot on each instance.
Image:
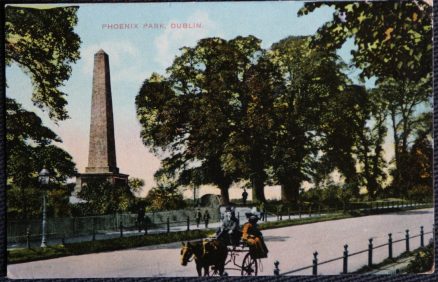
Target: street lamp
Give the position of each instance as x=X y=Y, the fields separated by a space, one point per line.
x=44 y=179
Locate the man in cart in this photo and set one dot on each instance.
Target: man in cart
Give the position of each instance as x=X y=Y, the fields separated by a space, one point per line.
x=229 y=231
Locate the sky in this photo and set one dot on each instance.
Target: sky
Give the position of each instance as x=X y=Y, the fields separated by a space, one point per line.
x=135 y=53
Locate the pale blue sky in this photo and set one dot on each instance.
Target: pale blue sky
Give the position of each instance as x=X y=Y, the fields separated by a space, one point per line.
x=134 y=54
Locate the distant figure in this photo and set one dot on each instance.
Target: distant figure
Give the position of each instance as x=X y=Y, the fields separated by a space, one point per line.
x=140 y=218
x=244 y=196
x=206 y=218
x=262 y=211
x=198 y=216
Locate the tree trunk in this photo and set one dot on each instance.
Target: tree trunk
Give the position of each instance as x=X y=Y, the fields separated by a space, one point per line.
x=290 y=193
x=225 y=197
x=258 y=191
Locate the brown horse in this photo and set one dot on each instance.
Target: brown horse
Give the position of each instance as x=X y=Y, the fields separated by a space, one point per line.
x=214 y=253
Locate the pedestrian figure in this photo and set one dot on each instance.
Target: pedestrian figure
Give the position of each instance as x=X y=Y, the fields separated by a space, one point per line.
x=206 y=218
x=244 y=196
x=198 y=216
x=140 y=218
x=262 y=211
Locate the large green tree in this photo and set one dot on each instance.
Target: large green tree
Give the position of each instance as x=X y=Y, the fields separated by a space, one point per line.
x=30 y=147
x=204 y=106
x=308 y=114
x=43 y=43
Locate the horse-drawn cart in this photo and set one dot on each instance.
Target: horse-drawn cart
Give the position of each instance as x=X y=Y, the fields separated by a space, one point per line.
x=220 y=257
x=249 y=265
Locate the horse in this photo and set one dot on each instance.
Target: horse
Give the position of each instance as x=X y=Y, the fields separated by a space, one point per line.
x=214 y=253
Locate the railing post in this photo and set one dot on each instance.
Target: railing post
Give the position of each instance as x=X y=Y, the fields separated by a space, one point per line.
x=168 y=225
x=315 y=263
x=370 y=252
x=390 y=245
x=121 y=229
x=188 y=223
x=276 y=269
x=421 y=237
x=345 y=270
x=407 y=240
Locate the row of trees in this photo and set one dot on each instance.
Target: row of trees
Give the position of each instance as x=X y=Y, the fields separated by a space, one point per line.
x=229 y=110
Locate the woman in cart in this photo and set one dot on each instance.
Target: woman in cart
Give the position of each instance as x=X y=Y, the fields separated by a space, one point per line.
x=253 y=237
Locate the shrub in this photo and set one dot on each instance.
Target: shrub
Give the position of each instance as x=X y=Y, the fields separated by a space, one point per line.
x=423 y=260
x=421 y=193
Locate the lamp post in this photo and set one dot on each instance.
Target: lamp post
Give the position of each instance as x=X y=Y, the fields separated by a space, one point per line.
x=44 y=179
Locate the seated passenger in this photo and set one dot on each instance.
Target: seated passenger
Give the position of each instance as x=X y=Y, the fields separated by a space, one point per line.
x=229 y=231
x=253 y=237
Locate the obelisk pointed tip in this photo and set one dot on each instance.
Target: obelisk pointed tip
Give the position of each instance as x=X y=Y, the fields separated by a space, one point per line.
x=100 y=52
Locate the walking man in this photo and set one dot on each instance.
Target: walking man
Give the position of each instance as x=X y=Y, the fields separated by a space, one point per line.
x=244 y=196
x=198 y=216
x=206 y=218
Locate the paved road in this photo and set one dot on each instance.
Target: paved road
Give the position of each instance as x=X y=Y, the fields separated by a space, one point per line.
x=292 y=246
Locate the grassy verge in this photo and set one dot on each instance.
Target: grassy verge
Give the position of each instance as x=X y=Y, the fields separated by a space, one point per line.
x=32 y=254
x=422 y=262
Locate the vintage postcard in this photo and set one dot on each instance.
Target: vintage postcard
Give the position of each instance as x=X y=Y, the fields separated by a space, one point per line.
x=177 y=139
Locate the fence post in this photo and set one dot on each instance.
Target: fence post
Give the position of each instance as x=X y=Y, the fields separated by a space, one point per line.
x=63 y=239
x=319 y=209
x=370 y=252
x=310 y=211
x=421 y=237
x=315 y=263
x=407 y=240
x=288 y=212
x=145 y=227
x=28 y=238
x=276 y=269
x=345 y=270
x=94 y=230
x=299 y=211
x=188 y=223
x=390 y=245
x=121 y=229
x=168 y=225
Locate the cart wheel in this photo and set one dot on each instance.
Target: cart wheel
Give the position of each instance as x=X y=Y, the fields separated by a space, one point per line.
x=249 y=266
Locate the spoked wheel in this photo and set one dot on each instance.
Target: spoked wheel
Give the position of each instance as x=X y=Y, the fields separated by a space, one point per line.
x=249 y=266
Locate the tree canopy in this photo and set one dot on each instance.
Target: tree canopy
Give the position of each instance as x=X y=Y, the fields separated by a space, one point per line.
x=43 y=43
x=393 y=39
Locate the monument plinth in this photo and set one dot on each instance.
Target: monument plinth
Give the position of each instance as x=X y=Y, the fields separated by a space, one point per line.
x=102 y=162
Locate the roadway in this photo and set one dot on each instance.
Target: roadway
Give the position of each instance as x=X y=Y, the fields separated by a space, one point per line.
x=292 y=246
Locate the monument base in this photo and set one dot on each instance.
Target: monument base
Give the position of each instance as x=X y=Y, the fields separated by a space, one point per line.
x=113 y=178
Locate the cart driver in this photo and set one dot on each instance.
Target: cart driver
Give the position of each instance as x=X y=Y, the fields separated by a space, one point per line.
x=229 y=231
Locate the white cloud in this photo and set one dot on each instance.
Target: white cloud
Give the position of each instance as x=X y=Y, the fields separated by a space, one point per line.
x=169 y=42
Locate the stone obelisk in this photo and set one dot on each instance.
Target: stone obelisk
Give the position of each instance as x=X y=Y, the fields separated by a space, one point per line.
x=102 y=162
